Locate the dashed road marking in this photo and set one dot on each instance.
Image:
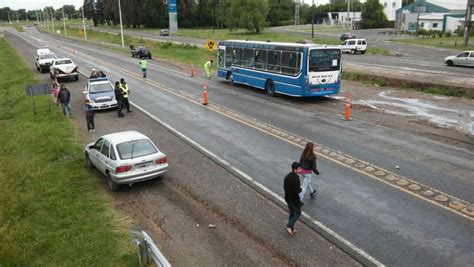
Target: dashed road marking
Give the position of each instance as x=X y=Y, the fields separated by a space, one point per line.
x=448 y=202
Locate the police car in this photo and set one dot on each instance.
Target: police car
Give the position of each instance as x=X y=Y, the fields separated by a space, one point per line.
x=100 y=92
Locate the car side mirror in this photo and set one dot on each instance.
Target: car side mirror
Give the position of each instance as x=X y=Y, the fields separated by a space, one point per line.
x=92 y=147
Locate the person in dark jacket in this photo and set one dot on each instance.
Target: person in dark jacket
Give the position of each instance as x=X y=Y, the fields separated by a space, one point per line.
x=89 y=111
x=64 y=97
x=292 y=189
x=308 y=165
x=119 y=98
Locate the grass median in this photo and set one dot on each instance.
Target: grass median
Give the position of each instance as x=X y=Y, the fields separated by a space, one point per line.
x=52 y=212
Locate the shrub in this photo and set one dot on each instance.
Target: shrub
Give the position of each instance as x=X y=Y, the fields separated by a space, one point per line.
x=440 y=34
x=448 y=34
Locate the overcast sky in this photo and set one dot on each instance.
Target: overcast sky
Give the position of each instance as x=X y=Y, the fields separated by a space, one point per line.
x=39 y=4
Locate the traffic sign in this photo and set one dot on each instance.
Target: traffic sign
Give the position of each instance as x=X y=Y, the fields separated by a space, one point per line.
x=210 y=44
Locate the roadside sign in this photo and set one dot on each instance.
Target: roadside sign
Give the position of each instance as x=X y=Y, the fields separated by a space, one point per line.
x=210 y=44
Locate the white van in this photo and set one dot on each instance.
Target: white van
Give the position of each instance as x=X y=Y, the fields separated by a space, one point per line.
x=43 y=59
x=354 y=46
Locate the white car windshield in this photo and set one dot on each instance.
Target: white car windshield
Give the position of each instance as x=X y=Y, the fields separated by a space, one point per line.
x=136 y=148
x=47 y=56
x=100 y=87
x=63 y=62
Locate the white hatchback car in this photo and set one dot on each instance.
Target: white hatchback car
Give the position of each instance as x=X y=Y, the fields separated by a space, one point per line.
x=126 y=158
x=465 y=58
x=354 y=46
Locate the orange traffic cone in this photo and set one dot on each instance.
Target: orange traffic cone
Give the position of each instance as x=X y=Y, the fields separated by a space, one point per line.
x=205 y=98
x=192 y=70
x=347 y=113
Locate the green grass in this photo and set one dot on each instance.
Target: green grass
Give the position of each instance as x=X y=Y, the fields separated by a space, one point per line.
x=453 y=42
x=53 y=211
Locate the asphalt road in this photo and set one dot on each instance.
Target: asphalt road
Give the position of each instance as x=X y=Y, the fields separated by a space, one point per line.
x=391 y=223
x=416 y=63
x=197 y=193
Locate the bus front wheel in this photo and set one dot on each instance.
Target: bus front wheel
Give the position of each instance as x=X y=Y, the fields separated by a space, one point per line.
x=230 y=78
x=270 y=88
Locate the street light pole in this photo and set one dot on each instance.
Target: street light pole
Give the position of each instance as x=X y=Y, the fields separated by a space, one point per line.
x=121 y=27
x=52 y=19
x=312 y=22
x=84 y=24
x=418 y=17
x=64 y=23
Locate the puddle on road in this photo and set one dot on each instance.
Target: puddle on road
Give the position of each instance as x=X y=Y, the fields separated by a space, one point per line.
x=436 y=110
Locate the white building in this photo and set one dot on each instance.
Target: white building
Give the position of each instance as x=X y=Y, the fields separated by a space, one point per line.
x=389 y=7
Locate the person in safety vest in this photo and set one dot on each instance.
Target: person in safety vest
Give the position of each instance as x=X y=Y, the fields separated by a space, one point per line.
x=207 y=68
x=125 y=93
x=143 y=65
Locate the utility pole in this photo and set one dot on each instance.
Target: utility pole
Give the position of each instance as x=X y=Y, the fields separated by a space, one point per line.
x=418 y=16
x=37 y=18
x=121 y=27
x=297 y=12
x=468 y=22
x=348 y=12
x=64 y=22
x=84 y=23
x=312 y=22
x=9 y=21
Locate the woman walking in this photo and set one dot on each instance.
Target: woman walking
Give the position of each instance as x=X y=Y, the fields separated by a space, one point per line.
x=308 y=165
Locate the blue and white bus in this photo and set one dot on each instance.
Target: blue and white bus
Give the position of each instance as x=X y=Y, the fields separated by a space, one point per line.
x=301 y=70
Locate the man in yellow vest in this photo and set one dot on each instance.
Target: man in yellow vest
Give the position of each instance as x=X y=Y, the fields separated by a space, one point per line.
x=143 y=66
x=125 y=93
x=207 y=68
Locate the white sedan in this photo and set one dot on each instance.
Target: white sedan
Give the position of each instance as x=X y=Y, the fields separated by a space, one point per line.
x=465 y=58
x=126 y=158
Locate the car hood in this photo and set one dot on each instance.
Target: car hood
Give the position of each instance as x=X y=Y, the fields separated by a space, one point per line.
x=450 y=57
x=105 y=96
x=46 y=60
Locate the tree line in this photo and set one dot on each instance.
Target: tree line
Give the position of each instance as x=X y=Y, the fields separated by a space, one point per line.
x=252 y=15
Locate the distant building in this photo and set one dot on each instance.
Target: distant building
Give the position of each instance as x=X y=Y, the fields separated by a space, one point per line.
x=443 y=16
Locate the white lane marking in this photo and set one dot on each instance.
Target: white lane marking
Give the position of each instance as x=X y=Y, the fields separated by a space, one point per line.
x=261 y=186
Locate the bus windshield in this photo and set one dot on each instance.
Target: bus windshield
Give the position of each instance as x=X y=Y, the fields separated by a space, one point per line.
x=324 y=60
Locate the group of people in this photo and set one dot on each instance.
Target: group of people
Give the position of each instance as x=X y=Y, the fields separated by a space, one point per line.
x=294 y=192
x=121 y=95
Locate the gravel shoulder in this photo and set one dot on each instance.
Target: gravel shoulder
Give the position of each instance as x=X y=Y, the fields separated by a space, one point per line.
x=197 y=192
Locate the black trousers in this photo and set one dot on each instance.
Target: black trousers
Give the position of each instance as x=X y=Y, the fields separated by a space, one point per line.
x=119 y=107
x=126 y=104
x=90 y=122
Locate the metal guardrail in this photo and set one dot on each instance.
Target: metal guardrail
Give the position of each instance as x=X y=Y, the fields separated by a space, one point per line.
x=148 y=252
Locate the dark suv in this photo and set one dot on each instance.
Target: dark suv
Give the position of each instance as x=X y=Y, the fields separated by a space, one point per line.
x=141 y=52
x=347 y=35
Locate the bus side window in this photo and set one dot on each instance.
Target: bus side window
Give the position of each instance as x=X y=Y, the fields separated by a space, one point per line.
x=237 y=57
x=249 y=57
x=228 y=57
x=289 y=63
x=260 y=59
x=221 y=58
x=274 y=61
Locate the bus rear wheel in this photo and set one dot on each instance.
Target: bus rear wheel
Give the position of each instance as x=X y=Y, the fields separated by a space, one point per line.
x=270 y=88
x=230 y=78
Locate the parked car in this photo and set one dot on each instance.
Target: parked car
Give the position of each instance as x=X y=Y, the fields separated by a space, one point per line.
x=354 y=46
x=347 y=35
x=164 y=32
x=100 y=92
x=465 y=58
x=126 y=158
x=43 y=59
x=141 y=52
x=63 y=68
